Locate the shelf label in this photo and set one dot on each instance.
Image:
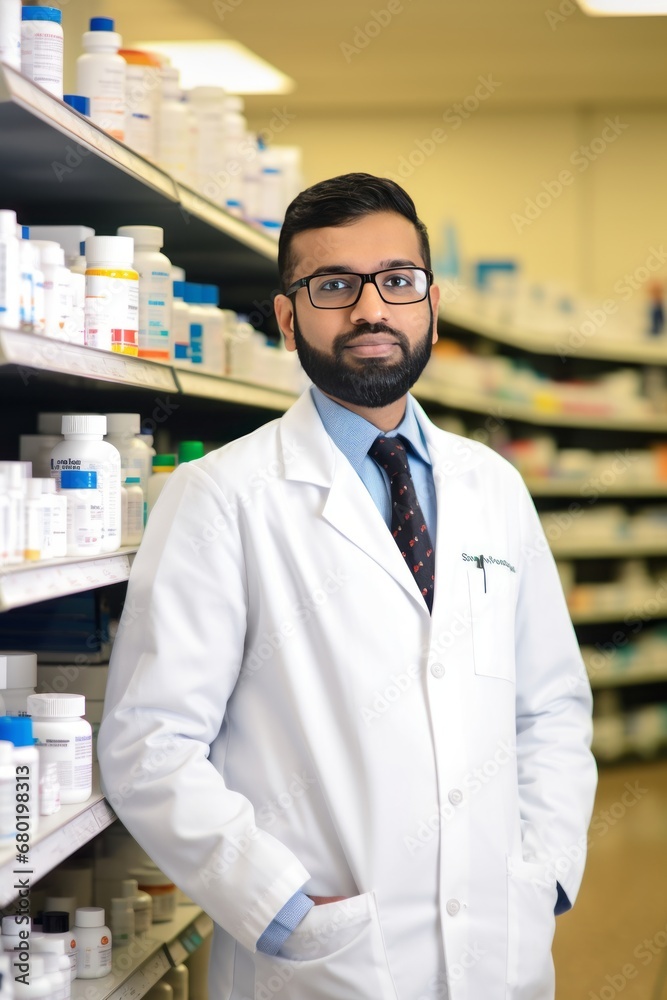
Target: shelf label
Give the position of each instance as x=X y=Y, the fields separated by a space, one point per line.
x=30 y=351
x=29 y=585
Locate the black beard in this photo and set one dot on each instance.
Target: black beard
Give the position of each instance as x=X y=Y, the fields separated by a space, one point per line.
x=372 y=382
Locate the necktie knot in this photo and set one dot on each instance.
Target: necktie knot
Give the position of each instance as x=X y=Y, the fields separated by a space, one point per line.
x=390 y=453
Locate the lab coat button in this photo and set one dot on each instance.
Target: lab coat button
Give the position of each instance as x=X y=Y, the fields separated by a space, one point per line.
x=455 y=796
x=453 y=907
x=437 y=670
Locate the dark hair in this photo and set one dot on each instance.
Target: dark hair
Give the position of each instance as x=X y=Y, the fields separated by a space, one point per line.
x=340 y=201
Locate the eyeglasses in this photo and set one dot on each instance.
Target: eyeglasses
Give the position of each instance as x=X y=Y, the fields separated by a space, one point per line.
x=397 y=286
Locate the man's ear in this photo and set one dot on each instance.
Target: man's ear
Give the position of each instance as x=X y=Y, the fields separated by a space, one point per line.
x=284 y=310
x=434 y=292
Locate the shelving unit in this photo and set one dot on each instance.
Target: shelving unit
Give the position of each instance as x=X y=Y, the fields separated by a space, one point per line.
x=644 y=682
x=56 y=167
x=142 y=963
x=57 y=837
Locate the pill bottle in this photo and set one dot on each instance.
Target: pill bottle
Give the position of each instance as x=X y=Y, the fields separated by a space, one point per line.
x=180 y=326
x=179 y=980
x=213 y=359
x=85 y=512
x=155 y=290
x=34 y=521
x=174 y=145
x=55 y=520
x=142 y=904
x=193 y=298
x=133 y=512
x=93 y=943
x=143 y=87
x=18 y=730
x=42 y=47
x=83 y=449
x=160 y=888
x=65 y=904
x=112 y=295
x=58 y=937
x=7 y=792
x=66 y=739
x=14 y=548
x=10 y=271
x=49 y=790
x=122 y=920
x=135 y=455
x=38 y=985
x=10 y=35
x=57 y=287
x=61 y=988
x=18 y=677
x=100 y=75
x=26 y=257
x=163 y=466
x=16 y=929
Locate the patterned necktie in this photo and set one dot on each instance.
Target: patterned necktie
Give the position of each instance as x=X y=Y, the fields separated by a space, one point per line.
x=407 y=521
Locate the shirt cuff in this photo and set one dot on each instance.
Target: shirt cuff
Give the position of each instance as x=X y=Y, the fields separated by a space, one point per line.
x=284 y=922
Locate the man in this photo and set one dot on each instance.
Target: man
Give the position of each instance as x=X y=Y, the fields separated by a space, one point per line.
x=346 y=711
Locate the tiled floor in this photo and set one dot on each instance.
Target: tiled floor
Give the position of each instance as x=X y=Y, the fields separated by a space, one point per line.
x=614 y=942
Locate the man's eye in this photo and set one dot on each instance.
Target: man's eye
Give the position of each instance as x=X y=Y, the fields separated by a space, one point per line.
x=334 y=285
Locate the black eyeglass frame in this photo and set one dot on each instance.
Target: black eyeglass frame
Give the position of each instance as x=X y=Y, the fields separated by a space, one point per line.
x=365 y=279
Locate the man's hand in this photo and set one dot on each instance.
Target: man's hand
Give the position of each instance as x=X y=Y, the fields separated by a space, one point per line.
x=318 y=900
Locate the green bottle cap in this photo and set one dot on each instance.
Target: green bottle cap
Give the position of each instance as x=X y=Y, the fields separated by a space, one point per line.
x=189 y=450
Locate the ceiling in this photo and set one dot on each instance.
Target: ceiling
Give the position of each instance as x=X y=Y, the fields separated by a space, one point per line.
x=427 y=53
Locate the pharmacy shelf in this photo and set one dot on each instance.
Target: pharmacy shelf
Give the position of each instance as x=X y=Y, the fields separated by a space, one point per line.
x=619 y=614
x=573 y=487
x=31 y=354
x=57 y=837
x=31 y=582
x=139 y=965
x=59 y=168
x=566 y=344
x=231 y=390
x=28 y=355
x=506 y=409
x=605 y=549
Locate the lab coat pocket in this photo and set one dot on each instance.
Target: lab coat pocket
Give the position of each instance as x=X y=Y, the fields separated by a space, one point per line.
x=531 y=897
x=492 y=592
x=336 y=953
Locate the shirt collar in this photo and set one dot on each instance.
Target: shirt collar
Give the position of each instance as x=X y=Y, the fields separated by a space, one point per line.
x=354 y=435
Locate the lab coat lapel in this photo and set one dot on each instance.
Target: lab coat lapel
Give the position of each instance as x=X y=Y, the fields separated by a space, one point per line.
x=310 y=455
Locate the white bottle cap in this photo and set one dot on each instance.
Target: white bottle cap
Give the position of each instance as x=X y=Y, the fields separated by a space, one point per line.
x=123 y=423
x=109 y=250
x=11 y=927
x=17 y=669
x=129 y=886
x=7 y=222
x=6 y=757
x=50 y=252
x=56 y=706
x=145 y=237
x=89 y=916
x=89 y=423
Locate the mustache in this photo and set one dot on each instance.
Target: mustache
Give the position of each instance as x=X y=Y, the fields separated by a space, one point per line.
x=343 y=339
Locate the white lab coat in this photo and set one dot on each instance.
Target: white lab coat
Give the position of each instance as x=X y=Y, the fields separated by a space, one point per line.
x=282 y=712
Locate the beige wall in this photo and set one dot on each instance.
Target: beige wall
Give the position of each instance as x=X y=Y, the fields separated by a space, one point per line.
x=482 y=171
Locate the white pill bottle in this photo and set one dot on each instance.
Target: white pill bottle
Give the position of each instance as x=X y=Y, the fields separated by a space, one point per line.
x=84 y=450
x=66 y=739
